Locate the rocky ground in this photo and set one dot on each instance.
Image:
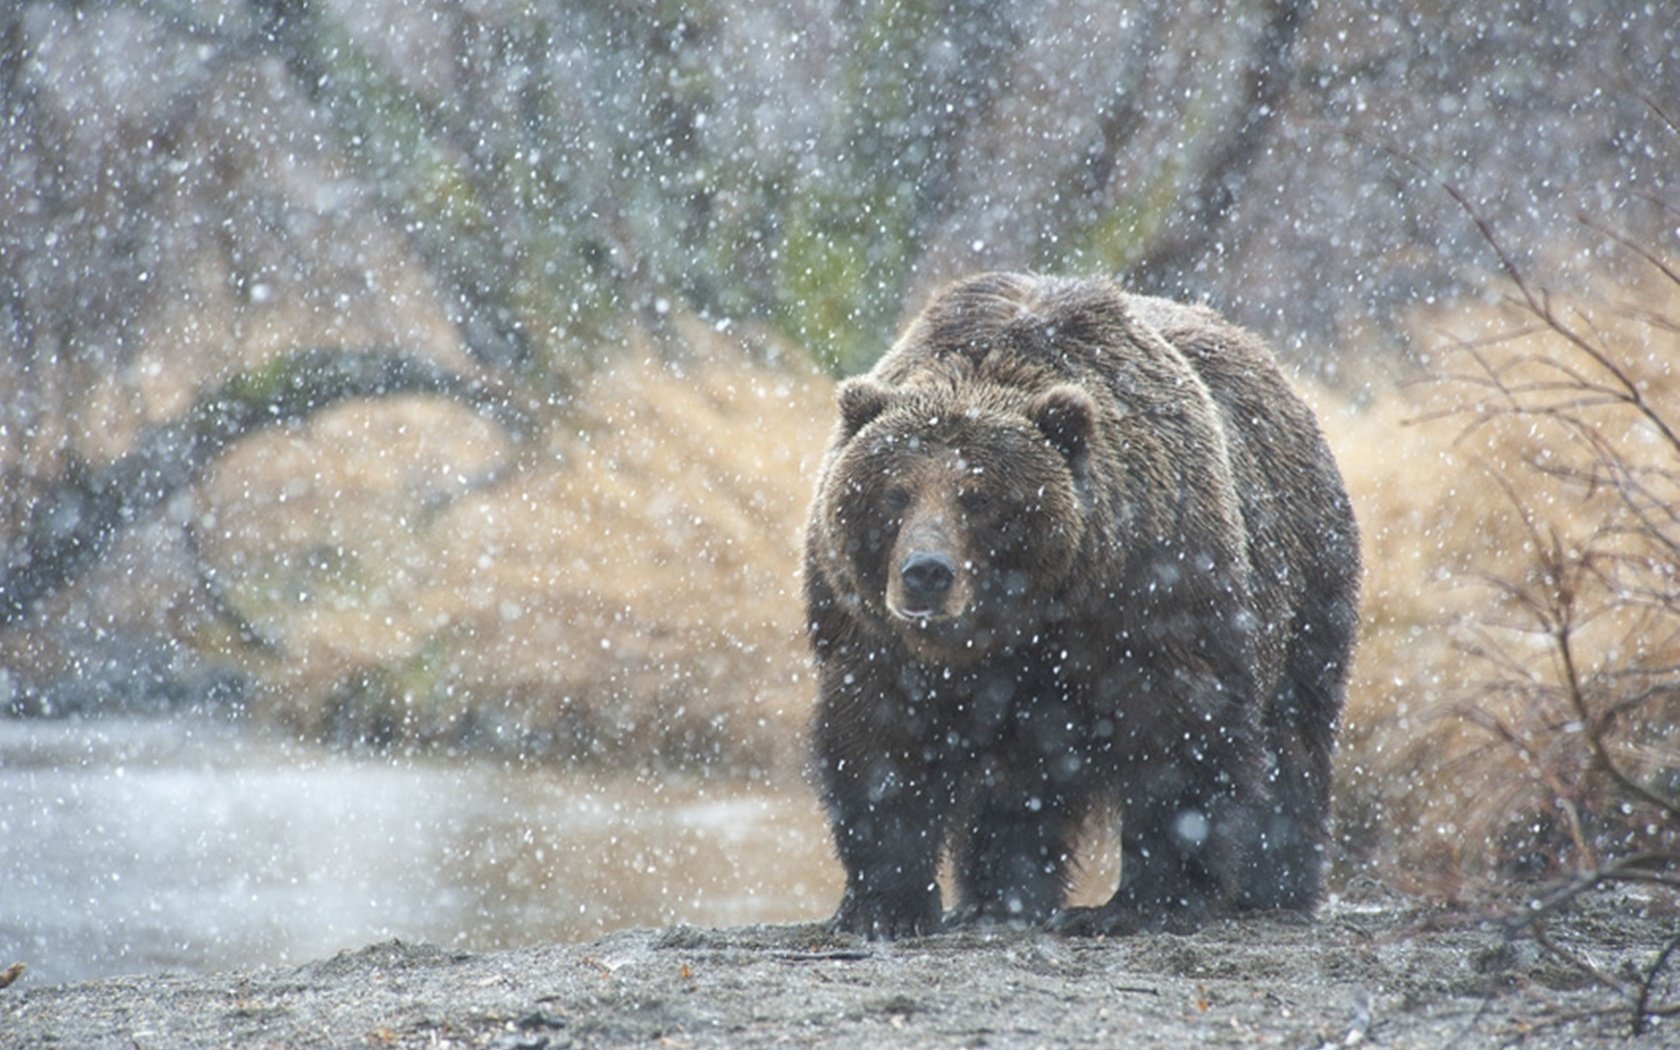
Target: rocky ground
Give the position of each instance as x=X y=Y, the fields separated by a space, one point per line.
x=1372 y=968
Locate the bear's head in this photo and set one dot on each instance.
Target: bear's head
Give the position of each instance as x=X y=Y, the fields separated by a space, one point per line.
x=955 y=514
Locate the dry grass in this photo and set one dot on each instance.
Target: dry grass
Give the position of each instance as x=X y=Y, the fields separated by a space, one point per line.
x=630 y=591
x=1487 y=500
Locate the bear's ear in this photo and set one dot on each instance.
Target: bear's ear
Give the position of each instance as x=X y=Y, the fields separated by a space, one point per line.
x=1067 y=416
x=861 y=400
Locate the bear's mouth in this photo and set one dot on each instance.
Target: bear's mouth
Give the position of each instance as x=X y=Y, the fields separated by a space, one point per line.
x=918 y=615
x=931 y=625
x=939 y=634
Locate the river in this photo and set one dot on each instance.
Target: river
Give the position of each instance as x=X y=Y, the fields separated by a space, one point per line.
x=132 y=846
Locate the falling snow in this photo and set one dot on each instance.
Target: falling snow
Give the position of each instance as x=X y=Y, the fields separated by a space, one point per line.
x=409 y=410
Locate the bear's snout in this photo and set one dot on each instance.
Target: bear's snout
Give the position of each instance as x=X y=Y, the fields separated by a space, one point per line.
x=927 y=577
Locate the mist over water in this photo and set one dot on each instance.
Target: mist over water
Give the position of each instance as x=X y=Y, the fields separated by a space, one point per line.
x=131 y=846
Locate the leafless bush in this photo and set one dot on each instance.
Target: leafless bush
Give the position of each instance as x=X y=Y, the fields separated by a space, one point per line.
x=1577 y=406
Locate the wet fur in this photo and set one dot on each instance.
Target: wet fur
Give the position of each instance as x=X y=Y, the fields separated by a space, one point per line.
x=1174 y=641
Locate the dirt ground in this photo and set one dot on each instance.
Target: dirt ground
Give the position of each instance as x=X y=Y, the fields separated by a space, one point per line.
x=1371 y=968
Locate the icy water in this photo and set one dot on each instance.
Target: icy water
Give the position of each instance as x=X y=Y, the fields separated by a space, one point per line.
x=133 y=846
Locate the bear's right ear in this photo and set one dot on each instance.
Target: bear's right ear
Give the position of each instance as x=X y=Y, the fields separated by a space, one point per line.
x=861 y=400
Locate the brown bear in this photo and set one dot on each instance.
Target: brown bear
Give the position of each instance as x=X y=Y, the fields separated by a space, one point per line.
x=1076 y=551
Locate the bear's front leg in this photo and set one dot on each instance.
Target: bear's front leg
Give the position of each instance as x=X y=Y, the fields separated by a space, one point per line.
x=1185 y=821
x=885 y=791
x=888 y=830
x=1179 y=860
x=1012 y=859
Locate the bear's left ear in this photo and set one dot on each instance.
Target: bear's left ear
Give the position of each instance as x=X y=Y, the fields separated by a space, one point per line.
x=1067 y=416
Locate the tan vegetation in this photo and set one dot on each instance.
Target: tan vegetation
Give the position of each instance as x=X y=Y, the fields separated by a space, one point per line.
x=628 y=590
x=1520 y=608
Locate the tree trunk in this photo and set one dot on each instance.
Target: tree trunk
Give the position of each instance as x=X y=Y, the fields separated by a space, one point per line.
x=1218 y=178
x=86 y=509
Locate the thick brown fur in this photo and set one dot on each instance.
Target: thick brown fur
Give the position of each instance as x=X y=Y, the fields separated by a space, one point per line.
x=1075 y=550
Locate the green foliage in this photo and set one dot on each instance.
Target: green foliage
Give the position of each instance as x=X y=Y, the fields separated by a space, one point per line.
x=583 y=188
x=1121 y=234
x=842 y=264
x=498 y=213
x=849 y=235
x=557 y=222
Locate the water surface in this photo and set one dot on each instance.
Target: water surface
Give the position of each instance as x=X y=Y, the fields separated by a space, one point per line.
x=135 y=846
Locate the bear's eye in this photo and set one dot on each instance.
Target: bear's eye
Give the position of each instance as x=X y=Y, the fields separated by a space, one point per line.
x=895 y=500
x=974 y=501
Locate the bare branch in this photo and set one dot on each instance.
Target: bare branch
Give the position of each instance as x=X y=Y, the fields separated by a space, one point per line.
x=1631 y=245
x=1220 y=172
x=84 y=512
x=1642 y=1012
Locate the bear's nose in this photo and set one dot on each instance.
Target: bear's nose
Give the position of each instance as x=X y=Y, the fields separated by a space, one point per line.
x=927 y=574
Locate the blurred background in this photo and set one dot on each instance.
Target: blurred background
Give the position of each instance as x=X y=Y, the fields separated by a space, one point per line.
x=408 y=413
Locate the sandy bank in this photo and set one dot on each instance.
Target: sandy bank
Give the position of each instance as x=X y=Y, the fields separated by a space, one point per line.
x=1372 y=968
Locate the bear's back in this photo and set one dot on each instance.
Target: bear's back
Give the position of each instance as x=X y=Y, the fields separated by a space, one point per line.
x=1025 y=333
x=1302 y=539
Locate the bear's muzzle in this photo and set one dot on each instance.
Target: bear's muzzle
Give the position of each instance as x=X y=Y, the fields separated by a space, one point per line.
x=926 y=577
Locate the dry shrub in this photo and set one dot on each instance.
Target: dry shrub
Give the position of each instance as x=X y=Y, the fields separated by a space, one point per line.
x=1518 y=682
x=1424 y=521
x=629 y=591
